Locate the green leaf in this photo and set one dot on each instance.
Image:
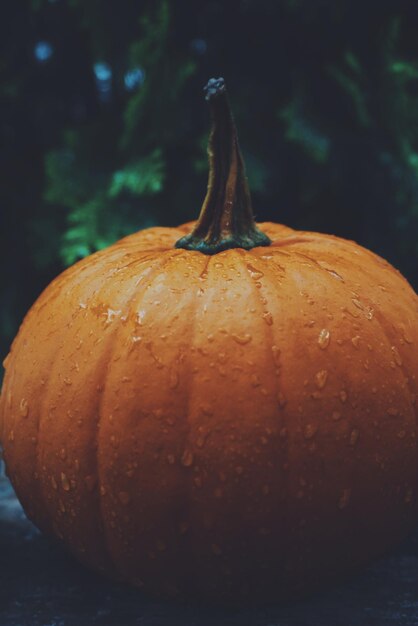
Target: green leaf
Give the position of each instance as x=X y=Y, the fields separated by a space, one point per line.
x=145 y=176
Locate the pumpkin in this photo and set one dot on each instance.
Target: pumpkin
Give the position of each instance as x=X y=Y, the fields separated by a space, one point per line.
x=219 y=410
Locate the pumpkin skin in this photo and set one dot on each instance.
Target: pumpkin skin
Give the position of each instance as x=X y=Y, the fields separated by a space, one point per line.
x=218 y=426
x=219 y=411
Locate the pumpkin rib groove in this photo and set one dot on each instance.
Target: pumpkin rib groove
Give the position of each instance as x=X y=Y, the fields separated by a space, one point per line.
x=186 y=512
x=108 y=354
x=286 y=449
x=270 y=341
x=383 y=323
x=55 y=359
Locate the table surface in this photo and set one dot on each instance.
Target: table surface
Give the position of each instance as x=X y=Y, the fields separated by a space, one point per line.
x=40 y=585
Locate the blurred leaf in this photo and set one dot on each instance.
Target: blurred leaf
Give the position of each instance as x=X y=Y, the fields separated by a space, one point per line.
x=145 y=176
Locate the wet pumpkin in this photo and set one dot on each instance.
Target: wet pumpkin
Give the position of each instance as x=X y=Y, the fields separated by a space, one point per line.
x=219 y=410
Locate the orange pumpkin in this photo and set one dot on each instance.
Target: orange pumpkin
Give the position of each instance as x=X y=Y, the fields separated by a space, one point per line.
x=227 y=415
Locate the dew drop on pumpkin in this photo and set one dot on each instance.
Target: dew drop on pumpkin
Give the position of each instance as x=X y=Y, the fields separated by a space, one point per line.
x=276 y=355
x=124 y=497
x=324 y=338
x=336 y=415
x=281 y=399
x=335 y=275
x=355 y=341
x=321 y=379
x=63 y=454
x=24 y=407
x=396 y=355
x=65 y=482
x=254 y=272
x=187 y=458
x=310 y=431
x=173 y=380
x=392 y=411
x=268 y=318
x=242 y=339
x=354 y=437
x=343 y=396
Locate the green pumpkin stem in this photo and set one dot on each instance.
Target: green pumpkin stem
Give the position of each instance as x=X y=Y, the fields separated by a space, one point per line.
x=226 y=219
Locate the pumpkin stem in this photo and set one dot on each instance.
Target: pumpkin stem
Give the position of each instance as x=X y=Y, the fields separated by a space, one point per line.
x=226 y=219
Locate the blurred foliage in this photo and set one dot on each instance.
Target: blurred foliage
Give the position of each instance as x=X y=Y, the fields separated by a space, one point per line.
x=103 y=126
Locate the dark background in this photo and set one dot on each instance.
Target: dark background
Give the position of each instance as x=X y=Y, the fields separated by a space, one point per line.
x=103 y=125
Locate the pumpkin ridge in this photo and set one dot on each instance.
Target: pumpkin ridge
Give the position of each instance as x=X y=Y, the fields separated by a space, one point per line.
x=102 y=358
x=270 y=341
x=381 y=320
x=186 y=511
x=110 y=351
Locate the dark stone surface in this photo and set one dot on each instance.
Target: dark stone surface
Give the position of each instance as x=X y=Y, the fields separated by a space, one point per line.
x=40 y=585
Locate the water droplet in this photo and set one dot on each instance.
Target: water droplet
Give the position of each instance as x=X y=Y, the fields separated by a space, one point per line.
x=255 y=380
x=355 y=341
x=335 y=274
x=254 y=272
x=405 y=335
x=24 y=407
x=124 y=497
x=392 y=411
x=336 y=415
x=206 y=409
x=197 y=481
x=401 y=434
x=276 y=355
x=242 y=339
x=321 y=379
x=281 y=399
x=343 y=396
x=396 y=356
x=344 y=499
x=68 y=381
x=222 y=357
x=65 y=482
x=173 y=379
x=90 y=481
x=268 y=318
x=310 y=431
x=187 y=458
x=354 y=437
x=63 y=454
x=54 y=483
x=324 y=338
x=111 y=315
